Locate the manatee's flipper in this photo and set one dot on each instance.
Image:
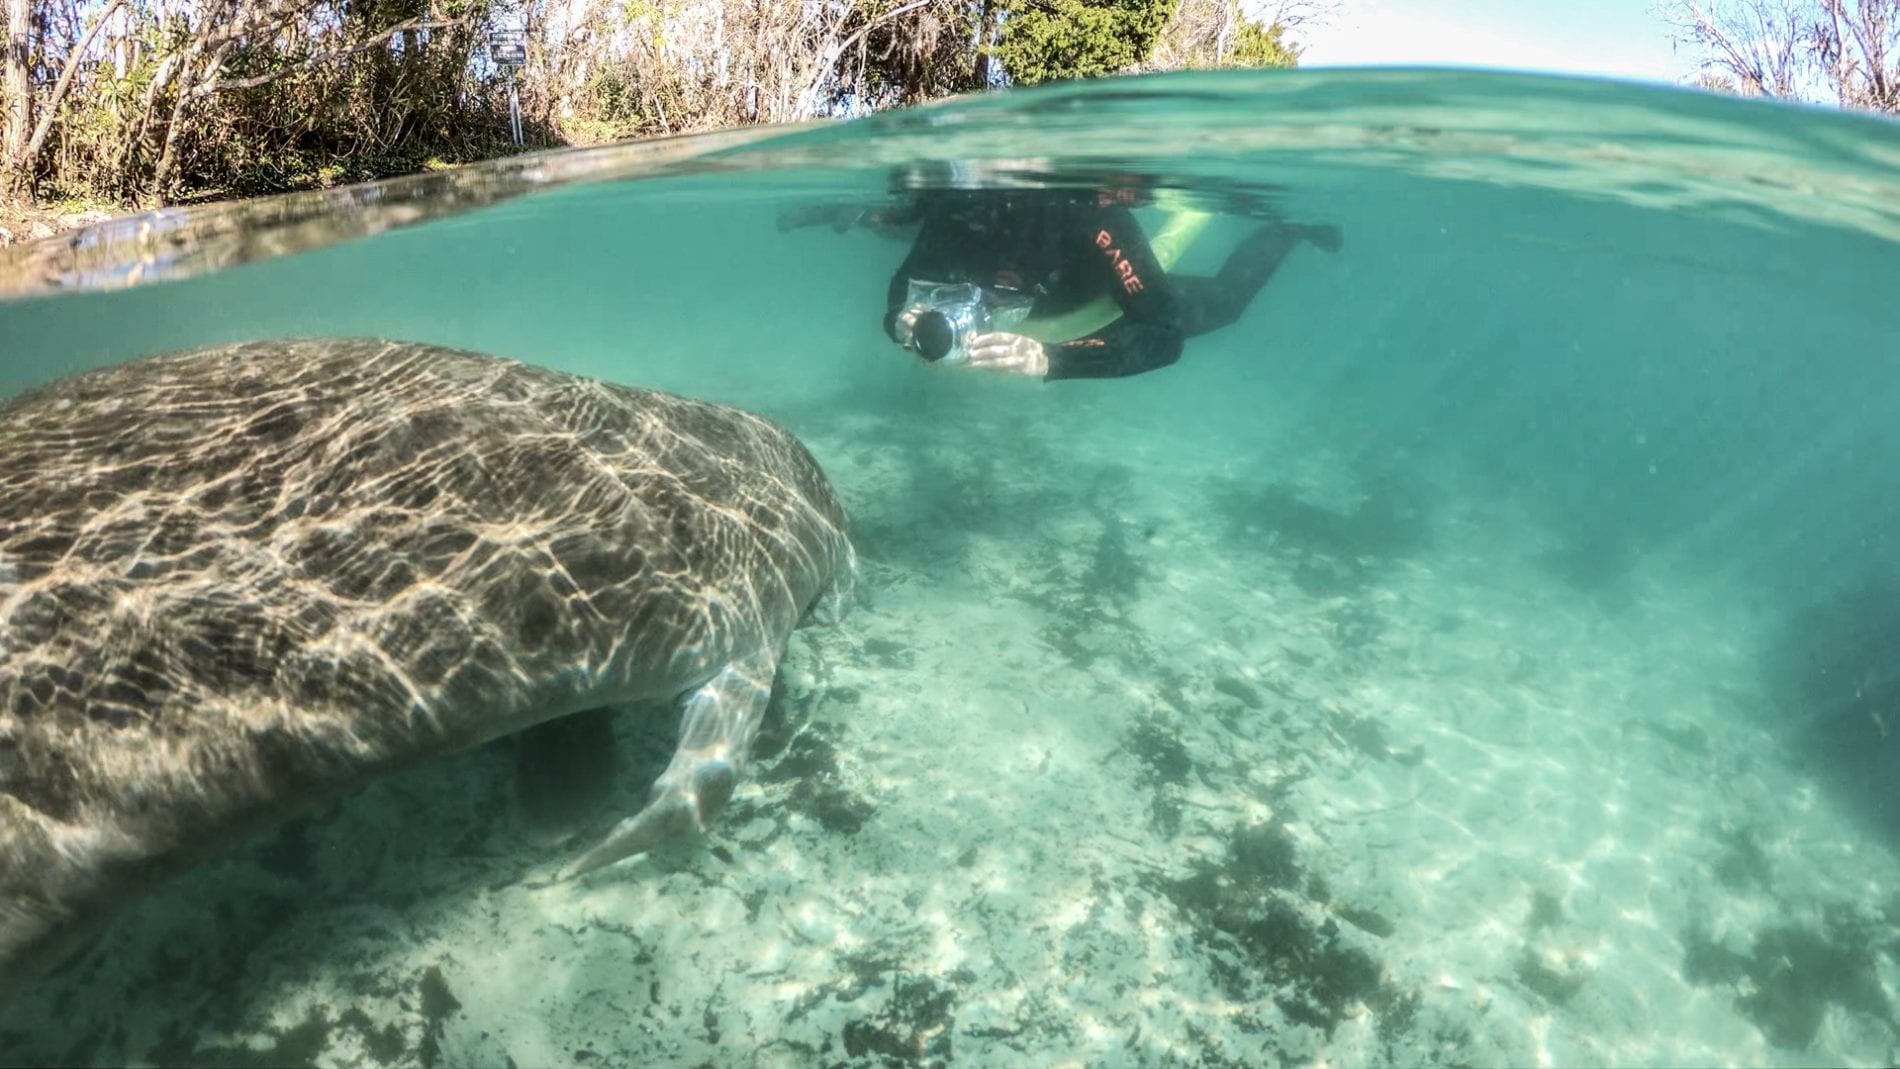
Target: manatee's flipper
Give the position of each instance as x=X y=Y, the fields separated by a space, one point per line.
x=715 y=739
x=565 y=769
x=835 y=603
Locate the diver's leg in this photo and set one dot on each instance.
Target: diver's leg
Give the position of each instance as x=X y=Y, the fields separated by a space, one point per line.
x=1212 y=303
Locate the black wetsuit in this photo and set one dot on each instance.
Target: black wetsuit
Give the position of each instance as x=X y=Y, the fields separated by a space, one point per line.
x=1066 y=249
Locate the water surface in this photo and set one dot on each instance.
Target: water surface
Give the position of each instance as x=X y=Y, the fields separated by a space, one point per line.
x=1480 y=653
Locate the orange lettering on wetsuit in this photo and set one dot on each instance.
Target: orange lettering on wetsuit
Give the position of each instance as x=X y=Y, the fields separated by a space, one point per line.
x=1131 y=282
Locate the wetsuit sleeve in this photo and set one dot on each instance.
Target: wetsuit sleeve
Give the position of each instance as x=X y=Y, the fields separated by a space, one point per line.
x=1113 y=252
x=894 y=300
x=922 y=257
x=933 y=255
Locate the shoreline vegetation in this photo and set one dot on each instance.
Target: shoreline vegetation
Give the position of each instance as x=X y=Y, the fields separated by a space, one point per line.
x=115 y=106
x=121 y=105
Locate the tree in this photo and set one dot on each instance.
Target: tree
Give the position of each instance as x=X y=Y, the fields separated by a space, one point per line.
x=1216 y=33
x=937 y=49
x=16 y=90
x=1263 y=46
x=1047 y=40
x=1050 y=39
x=1796 y=49
x=22 y=159
x=1755 y=42
x=1854 y=45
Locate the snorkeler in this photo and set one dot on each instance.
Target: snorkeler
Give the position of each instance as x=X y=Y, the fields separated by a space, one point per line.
x=987 y=261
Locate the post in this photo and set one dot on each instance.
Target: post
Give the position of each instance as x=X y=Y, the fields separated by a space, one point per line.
x=509 y=49
x=514 y=106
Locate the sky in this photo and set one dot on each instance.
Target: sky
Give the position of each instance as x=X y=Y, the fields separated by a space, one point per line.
x=1608 y=38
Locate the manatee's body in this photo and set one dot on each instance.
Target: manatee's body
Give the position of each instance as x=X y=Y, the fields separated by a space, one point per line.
x=239 y=582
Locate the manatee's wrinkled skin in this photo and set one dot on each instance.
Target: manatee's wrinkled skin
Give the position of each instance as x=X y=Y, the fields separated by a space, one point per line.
x=239 y=582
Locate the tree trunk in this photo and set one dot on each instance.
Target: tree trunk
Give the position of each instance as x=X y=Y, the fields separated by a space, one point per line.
x=985 y=29
x=188 y=80
x=16 y=91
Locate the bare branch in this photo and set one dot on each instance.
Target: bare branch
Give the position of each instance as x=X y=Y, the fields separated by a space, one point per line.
x=1754 y=41
x=1797 y=49
x=1292 y=14
x=888 y=16
x=31 y=151
x=220 y=85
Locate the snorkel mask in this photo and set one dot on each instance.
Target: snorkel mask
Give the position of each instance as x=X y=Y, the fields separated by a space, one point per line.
x=948 y=314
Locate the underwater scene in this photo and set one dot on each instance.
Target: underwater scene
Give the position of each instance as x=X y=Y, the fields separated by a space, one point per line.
x=1234 y=569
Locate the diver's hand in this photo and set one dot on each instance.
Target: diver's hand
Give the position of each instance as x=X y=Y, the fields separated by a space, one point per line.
x=1014 y=353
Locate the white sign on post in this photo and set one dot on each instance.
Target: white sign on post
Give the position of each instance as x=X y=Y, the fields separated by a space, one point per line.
x=508 y=47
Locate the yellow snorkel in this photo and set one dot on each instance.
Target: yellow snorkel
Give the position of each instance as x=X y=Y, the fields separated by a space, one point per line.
x=1169 y=243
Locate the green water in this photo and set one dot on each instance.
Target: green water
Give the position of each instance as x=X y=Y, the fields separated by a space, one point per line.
x=1481 y=652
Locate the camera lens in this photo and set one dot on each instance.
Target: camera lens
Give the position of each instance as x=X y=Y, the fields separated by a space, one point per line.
x=933 y=336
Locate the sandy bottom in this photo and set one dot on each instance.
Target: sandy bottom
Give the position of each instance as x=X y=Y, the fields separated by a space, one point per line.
x=1148 y=762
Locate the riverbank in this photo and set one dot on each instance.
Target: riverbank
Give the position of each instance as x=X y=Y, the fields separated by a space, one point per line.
x=21 y=222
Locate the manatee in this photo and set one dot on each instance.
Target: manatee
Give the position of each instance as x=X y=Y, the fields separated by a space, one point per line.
x=239 y=582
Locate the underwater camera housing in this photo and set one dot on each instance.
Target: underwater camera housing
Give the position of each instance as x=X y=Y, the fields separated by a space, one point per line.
x=946 y=315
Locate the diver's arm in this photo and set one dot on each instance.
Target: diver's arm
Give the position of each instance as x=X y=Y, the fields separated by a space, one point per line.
x=1149 y=333
x=927 y=258
x=939 y=253
x=894 y=300
x=1124 y=347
